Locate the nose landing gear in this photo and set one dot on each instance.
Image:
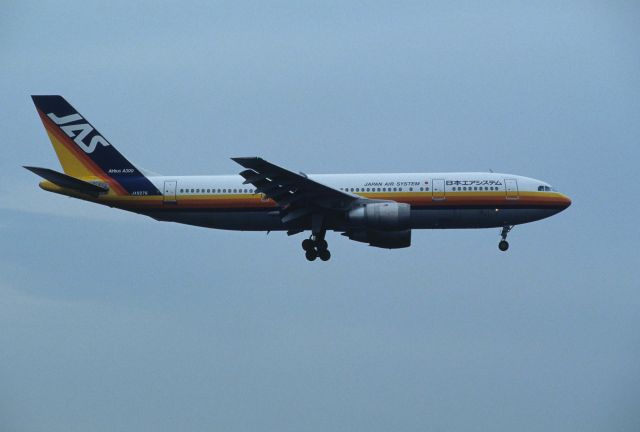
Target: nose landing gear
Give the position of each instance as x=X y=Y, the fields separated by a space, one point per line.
x=504 y=244
x=316 y=247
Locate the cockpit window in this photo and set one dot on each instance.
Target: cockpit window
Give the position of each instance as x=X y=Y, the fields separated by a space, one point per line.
x=545 y=188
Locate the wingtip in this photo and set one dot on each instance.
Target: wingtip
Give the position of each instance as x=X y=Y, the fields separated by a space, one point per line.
x=32 y=169
x=246 y=161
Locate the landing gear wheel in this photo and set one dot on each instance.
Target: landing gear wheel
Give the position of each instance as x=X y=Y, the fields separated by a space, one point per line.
x=504 y=245
x=311 y=255
x=324 y=254
x=322 y=245
x=307 y=244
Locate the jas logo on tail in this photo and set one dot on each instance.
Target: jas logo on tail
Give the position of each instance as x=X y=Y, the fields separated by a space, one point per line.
x=79 y=131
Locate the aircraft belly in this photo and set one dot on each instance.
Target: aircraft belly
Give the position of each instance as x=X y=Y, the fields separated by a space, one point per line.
x=431 y=218
x=475 y=218
x=230 y=220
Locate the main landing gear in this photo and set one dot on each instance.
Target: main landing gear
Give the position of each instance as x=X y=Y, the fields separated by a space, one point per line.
x=315 y=247
x=504 y=244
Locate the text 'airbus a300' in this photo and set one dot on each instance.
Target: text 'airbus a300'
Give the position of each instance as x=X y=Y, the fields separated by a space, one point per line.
x=378 y=209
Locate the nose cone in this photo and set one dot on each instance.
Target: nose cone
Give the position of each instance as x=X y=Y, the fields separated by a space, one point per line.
x=565 y=201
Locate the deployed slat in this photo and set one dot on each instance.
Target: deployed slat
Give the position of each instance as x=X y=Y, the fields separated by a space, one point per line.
x=252 y=177
x=279 y=194
x=267 y=189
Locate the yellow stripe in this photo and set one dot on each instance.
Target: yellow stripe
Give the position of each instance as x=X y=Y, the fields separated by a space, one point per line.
x=70 y=163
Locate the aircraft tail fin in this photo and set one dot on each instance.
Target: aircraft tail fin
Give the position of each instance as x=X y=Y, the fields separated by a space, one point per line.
x=84 y=152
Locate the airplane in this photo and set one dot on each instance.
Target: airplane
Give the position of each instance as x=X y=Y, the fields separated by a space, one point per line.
x=378 y=209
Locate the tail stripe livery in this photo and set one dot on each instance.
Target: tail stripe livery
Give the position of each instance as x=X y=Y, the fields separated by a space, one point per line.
x=74 y=162
x=85 y=153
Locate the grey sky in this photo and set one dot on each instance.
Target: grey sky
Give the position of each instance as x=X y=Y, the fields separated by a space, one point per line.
x=112 y=321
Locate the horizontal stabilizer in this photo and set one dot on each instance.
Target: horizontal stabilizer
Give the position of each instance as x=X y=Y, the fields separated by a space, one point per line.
x=67 y=181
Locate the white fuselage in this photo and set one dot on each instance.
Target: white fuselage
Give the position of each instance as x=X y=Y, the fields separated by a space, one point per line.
x=438 y=200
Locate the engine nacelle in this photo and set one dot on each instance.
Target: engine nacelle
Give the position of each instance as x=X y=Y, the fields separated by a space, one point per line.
x=384 y=225
x=382 y=239
x=384 y=216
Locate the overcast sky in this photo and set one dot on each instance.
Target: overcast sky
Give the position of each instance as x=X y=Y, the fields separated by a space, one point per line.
x=115 y=322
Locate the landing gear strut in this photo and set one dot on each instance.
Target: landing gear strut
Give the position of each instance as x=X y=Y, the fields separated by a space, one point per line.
x=316 y=246
x=504 y=244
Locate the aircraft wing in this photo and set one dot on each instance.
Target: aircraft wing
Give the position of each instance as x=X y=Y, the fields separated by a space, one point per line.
x=298 y=195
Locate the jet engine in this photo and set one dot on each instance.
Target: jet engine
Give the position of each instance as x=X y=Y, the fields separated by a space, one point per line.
x=385 y=225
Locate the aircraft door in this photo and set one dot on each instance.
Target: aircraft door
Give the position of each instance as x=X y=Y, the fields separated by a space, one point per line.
x=170 y=192
x=437 y=187
x=511 y=188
